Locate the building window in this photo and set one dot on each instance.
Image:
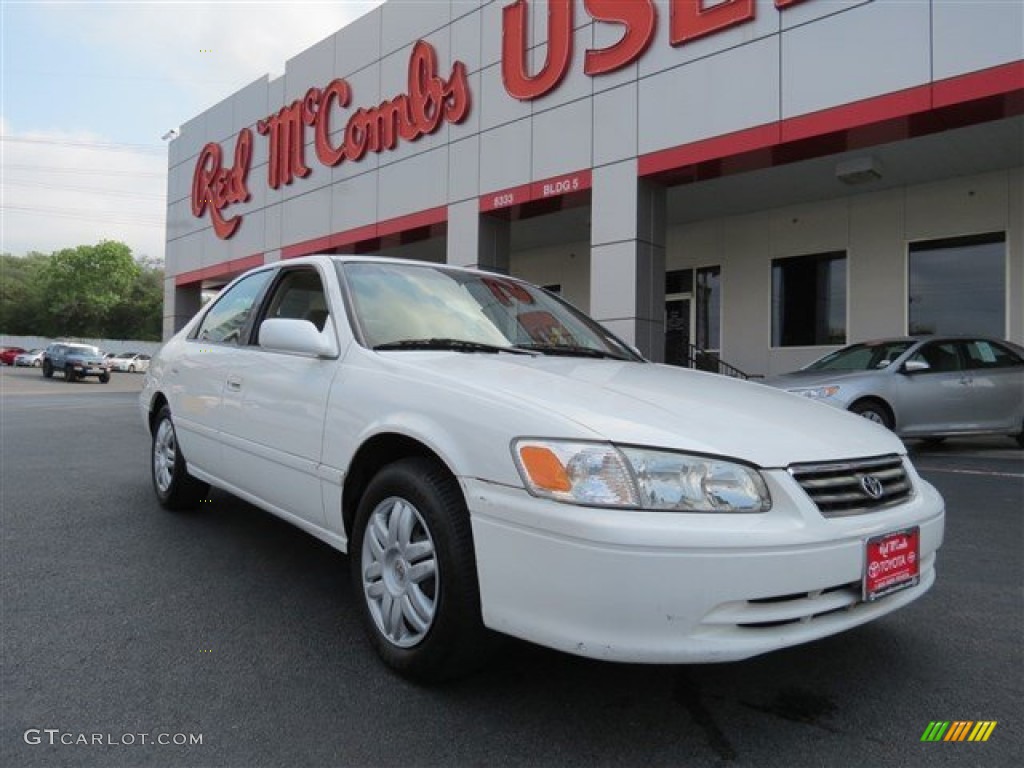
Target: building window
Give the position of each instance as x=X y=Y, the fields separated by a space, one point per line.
x=958 y=286
x=809 y=300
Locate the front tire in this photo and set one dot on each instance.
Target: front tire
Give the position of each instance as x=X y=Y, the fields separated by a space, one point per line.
x=47 y=370
x=69 y=375
x=414 y=572
x=873 y=411
x=175 y=488
x=104 y=378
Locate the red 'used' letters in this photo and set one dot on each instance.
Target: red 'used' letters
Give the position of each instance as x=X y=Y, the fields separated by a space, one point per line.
x=689 y=20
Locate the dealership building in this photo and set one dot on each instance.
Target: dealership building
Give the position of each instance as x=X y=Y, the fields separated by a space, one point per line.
x=749 y=181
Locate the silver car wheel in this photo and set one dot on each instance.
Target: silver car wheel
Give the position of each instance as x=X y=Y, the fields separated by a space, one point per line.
x=873 y=416
x=164 y=452
x=400 y=577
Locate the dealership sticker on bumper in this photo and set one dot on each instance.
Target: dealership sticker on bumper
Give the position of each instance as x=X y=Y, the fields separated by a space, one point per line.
x=892 y=563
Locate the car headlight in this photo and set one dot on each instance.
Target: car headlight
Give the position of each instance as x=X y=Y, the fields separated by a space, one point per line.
x=604 y=475
x=816 y=393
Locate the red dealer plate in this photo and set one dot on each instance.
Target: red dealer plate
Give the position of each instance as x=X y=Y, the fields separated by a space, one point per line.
x=892 y=562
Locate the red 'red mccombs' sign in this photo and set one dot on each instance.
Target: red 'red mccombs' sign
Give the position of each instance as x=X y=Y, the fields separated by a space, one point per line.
x=432 y=100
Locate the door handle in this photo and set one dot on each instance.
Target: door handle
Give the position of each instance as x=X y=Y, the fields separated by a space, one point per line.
x=234 y=383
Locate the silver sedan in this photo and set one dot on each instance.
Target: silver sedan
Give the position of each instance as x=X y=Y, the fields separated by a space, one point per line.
x=930 y=388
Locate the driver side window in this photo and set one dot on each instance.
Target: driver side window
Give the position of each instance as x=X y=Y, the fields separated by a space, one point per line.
x=299 y=295
x=228 y=315
x=941 y=356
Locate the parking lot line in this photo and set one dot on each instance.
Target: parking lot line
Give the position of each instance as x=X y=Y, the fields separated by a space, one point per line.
x=970 y=472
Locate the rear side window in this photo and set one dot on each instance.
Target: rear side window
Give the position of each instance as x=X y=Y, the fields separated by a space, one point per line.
x=227 y=317
x=985 y=354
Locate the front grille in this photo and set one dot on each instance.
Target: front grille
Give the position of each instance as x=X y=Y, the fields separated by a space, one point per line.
x=854 y=487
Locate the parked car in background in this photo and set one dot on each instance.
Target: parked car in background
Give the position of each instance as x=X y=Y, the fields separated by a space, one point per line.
x=490 y=457
x=129 y=362
x=7 y=354
x=32 y=359
x=931 y=388
x=75 y=361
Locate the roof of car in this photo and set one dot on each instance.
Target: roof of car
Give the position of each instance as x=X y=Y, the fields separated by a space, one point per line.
x=314 y=258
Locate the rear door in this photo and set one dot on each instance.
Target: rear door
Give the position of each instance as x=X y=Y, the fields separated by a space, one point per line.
x=996 y=391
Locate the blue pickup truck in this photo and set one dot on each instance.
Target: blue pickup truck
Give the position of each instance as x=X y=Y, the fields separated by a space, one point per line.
x=75 y=361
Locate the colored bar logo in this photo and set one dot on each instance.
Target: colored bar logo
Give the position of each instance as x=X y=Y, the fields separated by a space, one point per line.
x=958 y=730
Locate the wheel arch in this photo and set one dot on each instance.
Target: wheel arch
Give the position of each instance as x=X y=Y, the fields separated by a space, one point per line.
x=376 y=452
x=879 y=401
x=155 y=404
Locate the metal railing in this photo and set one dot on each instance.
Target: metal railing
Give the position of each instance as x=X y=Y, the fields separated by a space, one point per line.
x=703 y=360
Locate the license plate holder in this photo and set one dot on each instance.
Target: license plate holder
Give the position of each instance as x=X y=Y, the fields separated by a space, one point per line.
x=892 y=562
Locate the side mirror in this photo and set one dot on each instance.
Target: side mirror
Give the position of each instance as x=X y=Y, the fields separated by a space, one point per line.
x=916 y=366
x=299 y=336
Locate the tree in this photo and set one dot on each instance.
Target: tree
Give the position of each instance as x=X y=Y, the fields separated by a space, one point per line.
x=20 y=298
x=140 y=314
x=80 y=286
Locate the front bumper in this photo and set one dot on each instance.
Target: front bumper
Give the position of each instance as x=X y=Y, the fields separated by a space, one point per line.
x=89 y=370
x=663 y=587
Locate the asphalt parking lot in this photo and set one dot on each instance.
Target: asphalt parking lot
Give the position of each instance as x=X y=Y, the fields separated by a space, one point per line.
x=121 y=620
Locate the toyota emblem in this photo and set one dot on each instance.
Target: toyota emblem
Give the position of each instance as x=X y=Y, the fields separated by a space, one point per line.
x=872 y=486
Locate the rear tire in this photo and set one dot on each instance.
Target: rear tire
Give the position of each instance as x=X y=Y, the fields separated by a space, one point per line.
x=175 y=488
x=414 y=573
x=104 y=378
x=872 y=410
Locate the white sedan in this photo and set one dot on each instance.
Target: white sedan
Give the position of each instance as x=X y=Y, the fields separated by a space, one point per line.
x=129 y=362
x=31 y=359
x=492 y=459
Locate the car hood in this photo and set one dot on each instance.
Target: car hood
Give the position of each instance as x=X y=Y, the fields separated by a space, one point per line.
x=657 y=405
x=91 y=359
x=800 y=379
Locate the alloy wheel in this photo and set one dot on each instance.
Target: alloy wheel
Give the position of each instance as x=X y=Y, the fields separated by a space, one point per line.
x=400 y=577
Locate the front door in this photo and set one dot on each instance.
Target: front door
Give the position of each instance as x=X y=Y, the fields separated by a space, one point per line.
x=677 y=330
x=275 y=404
x=936 y=399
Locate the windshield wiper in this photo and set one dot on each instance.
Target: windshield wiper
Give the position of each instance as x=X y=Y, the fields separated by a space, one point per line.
x=571 y=350
x=455 y=345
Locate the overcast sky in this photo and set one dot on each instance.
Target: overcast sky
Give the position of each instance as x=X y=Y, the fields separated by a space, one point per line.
x=88 y=89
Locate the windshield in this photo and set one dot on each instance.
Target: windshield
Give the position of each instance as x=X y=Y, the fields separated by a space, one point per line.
x=395 y=303
x=862 y=357
x=81 y=349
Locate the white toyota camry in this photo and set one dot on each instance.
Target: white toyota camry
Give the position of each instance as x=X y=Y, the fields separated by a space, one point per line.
x=492 y=459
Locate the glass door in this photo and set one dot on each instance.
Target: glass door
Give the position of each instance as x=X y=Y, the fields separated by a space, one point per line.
x=678 y=327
